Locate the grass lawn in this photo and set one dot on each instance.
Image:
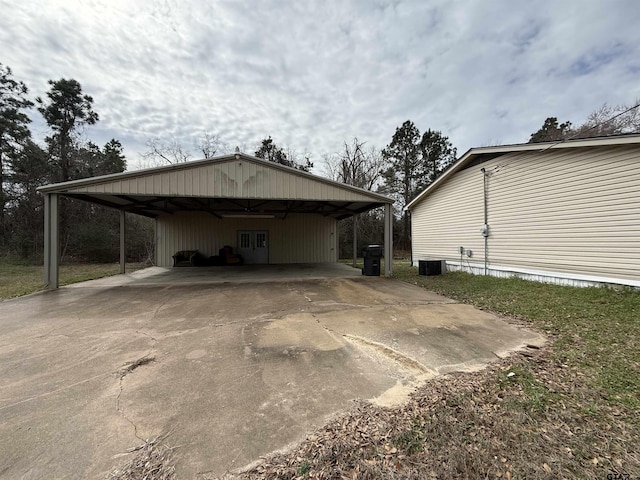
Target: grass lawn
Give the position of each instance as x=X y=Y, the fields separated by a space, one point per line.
x=20 y=277
x=596 y=330
x=569 y=410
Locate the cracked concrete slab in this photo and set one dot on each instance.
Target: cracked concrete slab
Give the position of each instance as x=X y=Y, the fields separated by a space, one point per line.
x=229 y=371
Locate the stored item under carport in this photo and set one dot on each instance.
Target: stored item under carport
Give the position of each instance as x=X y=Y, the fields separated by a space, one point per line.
x=429 y=267
x=372 y=256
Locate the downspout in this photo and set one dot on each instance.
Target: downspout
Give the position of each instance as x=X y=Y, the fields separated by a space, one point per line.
x=410 y=238
x=485 y=226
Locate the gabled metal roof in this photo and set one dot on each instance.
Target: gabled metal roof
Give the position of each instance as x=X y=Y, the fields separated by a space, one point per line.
x=227 y=185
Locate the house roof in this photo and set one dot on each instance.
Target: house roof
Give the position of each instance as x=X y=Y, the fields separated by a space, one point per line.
x=482 y=154
x=226 y=185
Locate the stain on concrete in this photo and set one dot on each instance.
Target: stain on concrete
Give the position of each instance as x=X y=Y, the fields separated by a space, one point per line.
x=233 y=379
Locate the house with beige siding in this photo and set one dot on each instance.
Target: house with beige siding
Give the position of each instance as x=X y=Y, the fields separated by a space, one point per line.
x=267 y=212
x=564 y=212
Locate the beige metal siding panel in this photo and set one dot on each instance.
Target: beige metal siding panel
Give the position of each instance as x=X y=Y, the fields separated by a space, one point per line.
x=297 y=239
x=179 y=182
x=303 y=239
x=194 y=181
x=309 y=189
x=236 y=179
x=283 y=186
x=256 y=181
x=234 y=182
x=272 y=185
x=222 y=190
x=214 y=180
x=165 y=185
x=188 y=186
x=574 y=210
x=251 y=179
x=239 y=171
x=174 y=180
x=261 y=183
x=246 y=181
x=288 y=189
x=304 y=188
x=318 y=189
x=340 y=196
x=200 y=179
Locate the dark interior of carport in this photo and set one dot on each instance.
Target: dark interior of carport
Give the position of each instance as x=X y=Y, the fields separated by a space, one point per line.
x=155 y=205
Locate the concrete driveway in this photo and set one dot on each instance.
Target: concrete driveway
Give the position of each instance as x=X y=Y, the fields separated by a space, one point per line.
x=230 y=370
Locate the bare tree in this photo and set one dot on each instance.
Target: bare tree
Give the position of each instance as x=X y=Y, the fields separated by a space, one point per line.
x=356 y=165
x=301 y=161
x=610 y=120
x=210 y=145
x=361 y=167
x=169 y=151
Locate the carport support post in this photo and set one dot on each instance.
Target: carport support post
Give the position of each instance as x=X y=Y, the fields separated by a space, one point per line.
x=51 y=241
x=355 y=239
x=123 y=253
x=388 y=240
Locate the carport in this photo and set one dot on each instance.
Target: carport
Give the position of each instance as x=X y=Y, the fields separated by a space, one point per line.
x=286 y=215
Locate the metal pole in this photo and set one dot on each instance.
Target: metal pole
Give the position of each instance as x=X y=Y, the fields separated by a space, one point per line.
x=123 y=250
x=388 y=240
x=51 y=242
x=355 y=239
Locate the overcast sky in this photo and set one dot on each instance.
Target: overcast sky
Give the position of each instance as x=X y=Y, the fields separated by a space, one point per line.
x=315 y=73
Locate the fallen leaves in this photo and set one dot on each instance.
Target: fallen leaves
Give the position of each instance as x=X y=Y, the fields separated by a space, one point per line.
x=152 y=461
x=470 y=425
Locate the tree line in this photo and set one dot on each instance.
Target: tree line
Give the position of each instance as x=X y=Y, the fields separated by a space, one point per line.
x=87 y=231
x=606 y=121
x=411 y=162
x=408 y=164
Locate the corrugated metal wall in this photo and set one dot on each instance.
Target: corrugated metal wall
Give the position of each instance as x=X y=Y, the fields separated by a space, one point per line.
x=297 y=239
x=571 y=210
x=234 y=178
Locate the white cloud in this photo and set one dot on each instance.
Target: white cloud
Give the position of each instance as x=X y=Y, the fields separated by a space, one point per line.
x=313 y=74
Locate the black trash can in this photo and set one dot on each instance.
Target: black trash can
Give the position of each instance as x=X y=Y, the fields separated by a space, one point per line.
x=429 y=267
x=372 y=256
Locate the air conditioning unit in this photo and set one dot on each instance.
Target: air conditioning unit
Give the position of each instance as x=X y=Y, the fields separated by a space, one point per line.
x=430 y=267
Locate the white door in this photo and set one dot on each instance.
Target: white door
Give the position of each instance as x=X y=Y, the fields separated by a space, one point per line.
x=253 y=245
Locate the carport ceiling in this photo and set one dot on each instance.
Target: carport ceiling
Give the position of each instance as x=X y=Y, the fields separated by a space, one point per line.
x=153 y=206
